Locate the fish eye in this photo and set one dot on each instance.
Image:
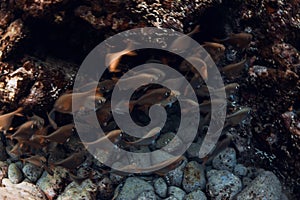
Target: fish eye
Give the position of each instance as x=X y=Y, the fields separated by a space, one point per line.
x=167 y=94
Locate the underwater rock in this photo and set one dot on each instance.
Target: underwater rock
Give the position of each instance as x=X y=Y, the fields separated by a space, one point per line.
x=11 y=37
x=265 y=186
x=240 y=170
x=133 y=187
x=105 y=188
x=32 y=172
x=225 y=160
x=22 y=190
x=222 y=184
x=246 y=181
x=194 y=177
x=86 y=190
x=160 y=187
x=147 y=195
x=116 y=178
x=36 y=84
x=3 y=171
x=121 y=15
x=287 y=56
x=175 y=176
x=177 y=192
x=53 y=185
x=38 y=8
x=193 y=150
x=171 y=198
x=14 y=173
x=166 y=138
x=196 y=195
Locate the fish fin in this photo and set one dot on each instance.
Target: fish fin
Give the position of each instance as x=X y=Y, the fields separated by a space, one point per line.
x=145 y=109
x=10 y=137
x=51 y=121
x=220 y=40
x=17 y=112
x=113 y=65
x=131 y=53
x=195 y=30
x=41 y=138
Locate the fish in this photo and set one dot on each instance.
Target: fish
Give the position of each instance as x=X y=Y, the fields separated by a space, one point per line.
x=240 y=40
x=79 y=179
x=35 y=140
x=15 y=150
x=201 y=66
x=39 y=119
x=236 y=118
x=104 y=86
x=113 y=136
x=104 y=114
x=173 y=163
x=64 y=103
x=159 y=169
x=154 y=71
x=176 y=83
x=215 y=50
x=147 y=139
x=6 y=119
x=205 y=106
x=136 y=80
x=39 y=161
x=181 y=43
x=161 y=96
x=92 y=103
x=71 y=162
x=234 y=69
x=61 y=135
x=26 y=130
x=202 y=91
x=36 y=160
x=228 y=89
x=295 y=130
x=220 y=146
x=214 y=46
x=112 y=60
x=188 y=106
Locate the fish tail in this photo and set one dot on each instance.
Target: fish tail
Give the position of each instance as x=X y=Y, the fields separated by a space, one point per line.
x=195 y=30
x=15 y=150
x=48 y=169
x=220 y=40
x=41 y=138
x=51 y=121
x=131 y=53
x=17 y=112
x=51 y=166
x=10 y=137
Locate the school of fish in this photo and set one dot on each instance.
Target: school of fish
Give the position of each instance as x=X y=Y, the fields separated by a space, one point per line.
x=31 y=140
